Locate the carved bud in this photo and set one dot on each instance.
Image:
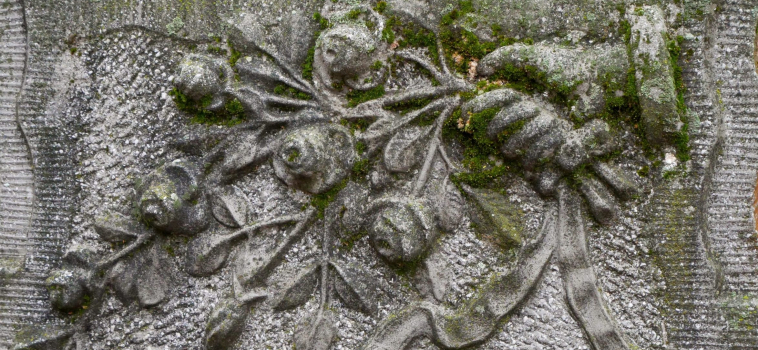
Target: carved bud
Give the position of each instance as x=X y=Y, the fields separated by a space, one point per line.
x=169 y=199
x=67 y=289
x=199 y=77
x=401 y=230
x=315 y=158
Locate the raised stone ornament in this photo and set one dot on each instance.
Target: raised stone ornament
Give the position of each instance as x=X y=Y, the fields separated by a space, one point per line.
x=381 y=175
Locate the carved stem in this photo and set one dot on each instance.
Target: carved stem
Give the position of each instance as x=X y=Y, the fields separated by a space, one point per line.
x=432 y=151
x=445 y=102
x=142 y=239
x=273 y=222
x=326 y=252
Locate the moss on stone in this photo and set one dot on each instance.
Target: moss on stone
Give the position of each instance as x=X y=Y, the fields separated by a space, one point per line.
x=232 y=114
x=357 y=97
x=322 y=200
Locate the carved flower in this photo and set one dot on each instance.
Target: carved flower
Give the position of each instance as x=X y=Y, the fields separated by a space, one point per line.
x=199 y=77
x=315 y=158
x=67 y=289
x=169 y=199
x=401 y=230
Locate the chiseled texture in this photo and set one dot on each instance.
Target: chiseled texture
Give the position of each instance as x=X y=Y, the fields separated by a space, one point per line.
x=678 y=268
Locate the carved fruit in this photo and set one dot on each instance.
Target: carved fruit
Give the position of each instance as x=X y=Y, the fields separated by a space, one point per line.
x=67 y=289
x=315 y=158
x=169 y=199
x=401 y=231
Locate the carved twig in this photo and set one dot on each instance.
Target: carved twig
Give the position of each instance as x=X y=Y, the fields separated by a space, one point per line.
x=287 y=69
x=269 y=99
x=249 y=230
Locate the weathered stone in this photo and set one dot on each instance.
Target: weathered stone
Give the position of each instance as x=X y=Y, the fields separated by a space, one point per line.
x=377 y=174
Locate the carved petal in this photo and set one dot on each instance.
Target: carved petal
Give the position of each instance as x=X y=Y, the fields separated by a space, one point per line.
x=225 y=324
x=316 y=331
x=230 y=207
x=300 y=290
x=355 y=288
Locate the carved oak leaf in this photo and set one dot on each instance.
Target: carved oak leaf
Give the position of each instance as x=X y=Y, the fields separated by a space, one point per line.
x=355 y=287
x=300 y=290
x=316 y=331
x=230 y=207
x=116 y=228
x=404 y=148
x=225 y=324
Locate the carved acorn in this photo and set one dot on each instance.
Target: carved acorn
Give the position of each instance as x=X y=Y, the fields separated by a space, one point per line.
x=170 y=200
x=401 y=230
x=315 y=158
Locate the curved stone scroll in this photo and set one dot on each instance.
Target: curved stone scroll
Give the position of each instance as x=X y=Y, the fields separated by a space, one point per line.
x=562 y=233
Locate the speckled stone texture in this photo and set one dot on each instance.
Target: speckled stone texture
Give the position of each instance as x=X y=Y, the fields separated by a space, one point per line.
x=88 y=110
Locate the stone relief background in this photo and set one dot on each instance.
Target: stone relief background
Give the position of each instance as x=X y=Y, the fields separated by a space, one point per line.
x=94 y=135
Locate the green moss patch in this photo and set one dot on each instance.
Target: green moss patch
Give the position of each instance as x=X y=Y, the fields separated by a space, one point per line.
x=232 y=114
x=357 y=97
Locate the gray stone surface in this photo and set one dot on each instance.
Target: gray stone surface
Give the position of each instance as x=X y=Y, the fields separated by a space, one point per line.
x=494 y=174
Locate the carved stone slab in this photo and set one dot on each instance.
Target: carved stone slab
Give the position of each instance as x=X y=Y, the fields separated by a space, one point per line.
x=378 y=175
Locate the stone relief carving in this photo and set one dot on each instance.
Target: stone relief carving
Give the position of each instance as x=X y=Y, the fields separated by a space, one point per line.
x=400 y=167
